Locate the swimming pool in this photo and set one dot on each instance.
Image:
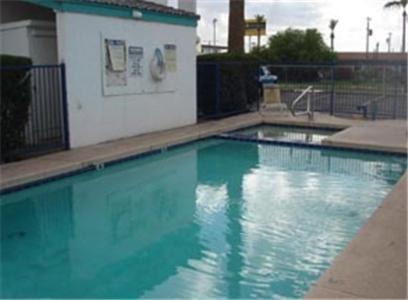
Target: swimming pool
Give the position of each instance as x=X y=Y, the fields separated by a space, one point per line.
x=286 y=133
x=214 y=218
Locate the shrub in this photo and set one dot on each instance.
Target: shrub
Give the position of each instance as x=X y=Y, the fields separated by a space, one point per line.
x=228 y=57
x=289 y=47
x=299 y=46
x=238 y=83
x=15 y=102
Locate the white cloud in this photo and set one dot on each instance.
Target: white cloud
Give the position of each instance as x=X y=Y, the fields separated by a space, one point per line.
x=281 y=14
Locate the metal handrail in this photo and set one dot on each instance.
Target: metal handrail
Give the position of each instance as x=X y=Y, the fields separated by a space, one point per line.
x=308 y=111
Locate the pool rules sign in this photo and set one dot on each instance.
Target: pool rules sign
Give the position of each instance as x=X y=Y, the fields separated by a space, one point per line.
x=115 y=62
x=170 y=57
x=135 y=58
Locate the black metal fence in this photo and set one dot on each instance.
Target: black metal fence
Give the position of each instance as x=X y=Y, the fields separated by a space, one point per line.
x=46 y=128
x=370 y=89
x=226 y=88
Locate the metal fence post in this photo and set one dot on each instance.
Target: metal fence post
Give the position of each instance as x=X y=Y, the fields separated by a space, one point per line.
x=65 y=107
x=374 y=108
x=333 y=82
x=394 y=109
x=258 y=73
x=217 y=88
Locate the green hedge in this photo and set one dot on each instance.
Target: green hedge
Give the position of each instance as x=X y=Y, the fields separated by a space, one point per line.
x=15 y=102
x=238 y=83
x=224 y=57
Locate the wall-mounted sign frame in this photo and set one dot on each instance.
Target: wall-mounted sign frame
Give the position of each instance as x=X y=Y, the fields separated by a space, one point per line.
x=135 y=58
x=130 y=74
x=115 y=62
x=170 y=57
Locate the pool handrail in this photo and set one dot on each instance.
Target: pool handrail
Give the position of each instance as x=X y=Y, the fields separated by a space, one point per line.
x=309 y=110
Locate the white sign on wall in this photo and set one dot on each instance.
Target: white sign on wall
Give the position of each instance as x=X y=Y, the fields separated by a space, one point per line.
x=170 y=56
x=115 y=62
x=135 y=58
x=117 y=54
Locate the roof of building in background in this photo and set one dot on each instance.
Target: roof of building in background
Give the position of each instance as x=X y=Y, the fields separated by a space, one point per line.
x=383 y=56
x=145 y=5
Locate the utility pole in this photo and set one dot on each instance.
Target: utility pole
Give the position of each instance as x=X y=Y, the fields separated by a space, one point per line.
x=404 y=24
x=369 y=33
x=215 y=31
x=388 y=41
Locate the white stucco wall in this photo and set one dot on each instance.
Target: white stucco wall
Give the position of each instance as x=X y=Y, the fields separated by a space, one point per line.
x=30 y=38
x=14 y=39
x=93 y=117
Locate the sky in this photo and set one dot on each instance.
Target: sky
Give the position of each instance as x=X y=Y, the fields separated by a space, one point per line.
x=350 y=33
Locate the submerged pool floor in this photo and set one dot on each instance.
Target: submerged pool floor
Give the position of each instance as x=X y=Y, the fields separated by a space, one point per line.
x=215 y=218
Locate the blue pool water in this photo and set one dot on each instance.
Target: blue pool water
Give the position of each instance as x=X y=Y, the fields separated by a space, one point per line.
x=211 y=219
x=286 y=133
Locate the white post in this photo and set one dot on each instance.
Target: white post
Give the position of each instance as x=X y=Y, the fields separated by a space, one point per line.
x=215 y=32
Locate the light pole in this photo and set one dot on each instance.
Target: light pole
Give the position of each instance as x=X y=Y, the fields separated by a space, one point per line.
x=332 y=26
x=404 y=24
x=215 y=31
x=369 y=33
x=388 y=41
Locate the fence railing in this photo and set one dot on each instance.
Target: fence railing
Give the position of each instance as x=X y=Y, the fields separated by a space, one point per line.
x=46 y=128
x=223 y=89
x=376 y=89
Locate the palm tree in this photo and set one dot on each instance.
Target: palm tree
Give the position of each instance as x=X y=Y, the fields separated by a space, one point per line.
x=236 y=26
x=403 y=5
x=259 y=19
x=332 y=25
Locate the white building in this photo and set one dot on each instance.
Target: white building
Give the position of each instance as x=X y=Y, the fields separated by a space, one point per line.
x=130 y=64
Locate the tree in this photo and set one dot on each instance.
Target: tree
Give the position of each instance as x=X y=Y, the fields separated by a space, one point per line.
x=400 y=4
x=294 y=45
x=332 y=25
x=259 y=19
x=236 y=26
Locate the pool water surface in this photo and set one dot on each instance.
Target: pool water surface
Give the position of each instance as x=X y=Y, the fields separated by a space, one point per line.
x=286 y=133
x=211 y=219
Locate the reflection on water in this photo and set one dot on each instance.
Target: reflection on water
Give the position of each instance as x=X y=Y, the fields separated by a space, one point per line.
x=286 y=133
x=213 y=219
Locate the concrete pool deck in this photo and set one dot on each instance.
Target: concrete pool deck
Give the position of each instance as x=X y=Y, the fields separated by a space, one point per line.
x=373 y=265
